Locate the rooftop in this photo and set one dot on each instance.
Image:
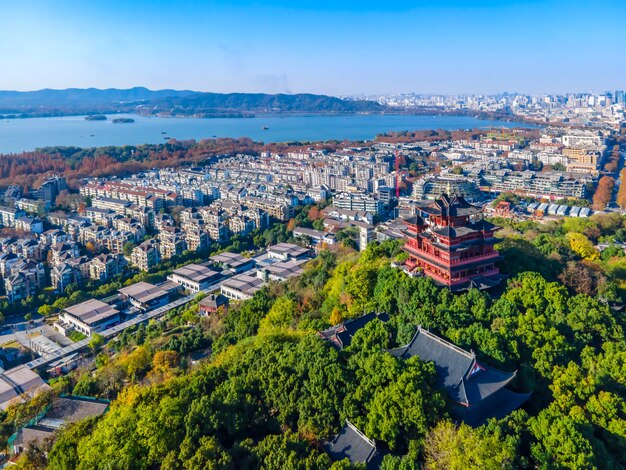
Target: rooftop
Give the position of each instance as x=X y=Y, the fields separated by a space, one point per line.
x=196 y=272
x=352 y=444
x=467 y=381
x=143 y=292
x=286 y=269
x=91 y=311
x=288 y=249
x=244 y=283
x=233 y=260
x=450 y=206
x=16 y=382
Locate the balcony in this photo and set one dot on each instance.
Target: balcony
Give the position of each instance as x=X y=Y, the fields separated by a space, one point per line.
x=453 y=262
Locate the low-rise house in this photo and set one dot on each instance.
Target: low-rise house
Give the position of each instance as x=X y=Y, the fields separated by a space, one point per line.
x=233 y=262
x=316 y=237
x=145 y=296
x=89 y=317
x=338 y=213
x=282 y=270
x=19 y=384
x=194 y=277
x=241 y=287
x=285 y=251
x=63 y=411
x=212 y=303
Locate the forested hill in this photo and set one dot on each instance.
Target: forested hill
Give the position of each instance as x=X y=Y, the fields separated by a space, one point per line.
x=176 y=102
x=82 y=97
x=261 y=102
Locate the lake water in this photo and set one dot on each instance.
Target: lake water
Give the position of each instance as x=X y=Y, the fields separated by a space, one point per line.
x=17 y=135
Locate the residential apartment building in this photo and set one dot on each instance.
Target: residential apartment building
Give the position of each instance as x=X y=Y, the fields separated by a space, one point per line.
x=146 y=255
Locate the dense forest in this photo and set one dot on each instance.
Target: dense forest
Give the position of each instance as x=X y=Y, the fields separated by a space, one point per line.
x=272 y=390
x=208 y=103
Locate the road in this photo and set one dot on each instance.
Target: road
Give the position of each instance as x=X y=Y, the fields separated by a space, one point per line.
x=115 y=330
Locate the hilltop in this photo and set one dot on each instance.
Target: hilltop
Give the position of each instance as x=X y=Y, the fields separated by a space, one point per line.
x=73 y=101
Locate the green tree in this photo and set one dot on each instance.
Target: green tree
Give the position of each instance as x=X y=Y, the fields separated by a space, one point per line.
x=128 y=248
x=96 y=342
x=451 y=447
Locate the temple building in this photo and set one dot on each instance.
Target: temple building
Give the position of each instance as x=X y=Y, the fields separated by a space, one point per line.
x=355 y=446
x=340 y=335
x=450 y=242
x=477 y=391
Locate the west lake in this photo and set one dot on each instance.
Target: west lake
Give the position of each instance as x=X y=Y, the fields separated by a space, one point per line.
x=17 y=135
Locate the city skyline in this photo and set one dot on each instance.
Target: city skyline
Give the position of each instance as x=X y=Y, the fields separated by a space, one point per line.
x=346 y=48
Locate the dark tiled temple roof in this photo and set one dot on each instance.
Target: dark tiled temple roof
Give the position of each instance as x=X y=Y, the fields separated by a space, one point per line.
x=499 y=405
x=352 y=444
x=451 y=232
x=466 y=380
x=483 y=225
x=341 y=335
x=414 y=220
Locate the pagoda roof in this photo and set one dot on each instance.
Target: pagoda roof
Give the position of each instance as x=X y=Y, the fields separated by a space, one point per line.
x=466 y=380
x=414 y=220
x=482 y=282
x=500 y=404
x=483 y=225
x=446 y=206
x=451 y=232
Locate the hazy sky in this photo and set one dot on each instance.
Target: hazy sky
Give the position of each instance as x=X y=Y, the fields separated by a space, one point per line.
x=321 y=46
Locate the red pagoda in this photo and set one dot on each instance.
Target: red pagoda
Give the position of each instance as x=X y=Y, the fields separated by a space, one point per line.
x=450 y=241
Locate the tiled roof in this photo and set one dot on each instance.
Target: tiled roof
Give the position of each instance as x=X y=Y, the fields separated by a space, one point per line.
x=352 y=444
x=341 y=335
x=464 y=378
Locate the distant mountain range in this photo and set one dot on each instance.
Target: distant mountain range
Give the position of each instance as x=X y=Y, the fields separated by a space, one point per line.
x=73 y=101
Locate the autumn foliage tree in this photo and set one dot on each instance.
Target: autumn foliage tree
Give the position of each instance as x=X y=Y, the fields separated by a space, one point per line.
x=621 y=194
x=612 y=162
x=603 y=193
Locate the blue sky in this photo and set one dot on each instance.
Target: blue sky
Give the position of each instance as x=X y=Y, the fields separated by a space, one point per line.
x=341 y=47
